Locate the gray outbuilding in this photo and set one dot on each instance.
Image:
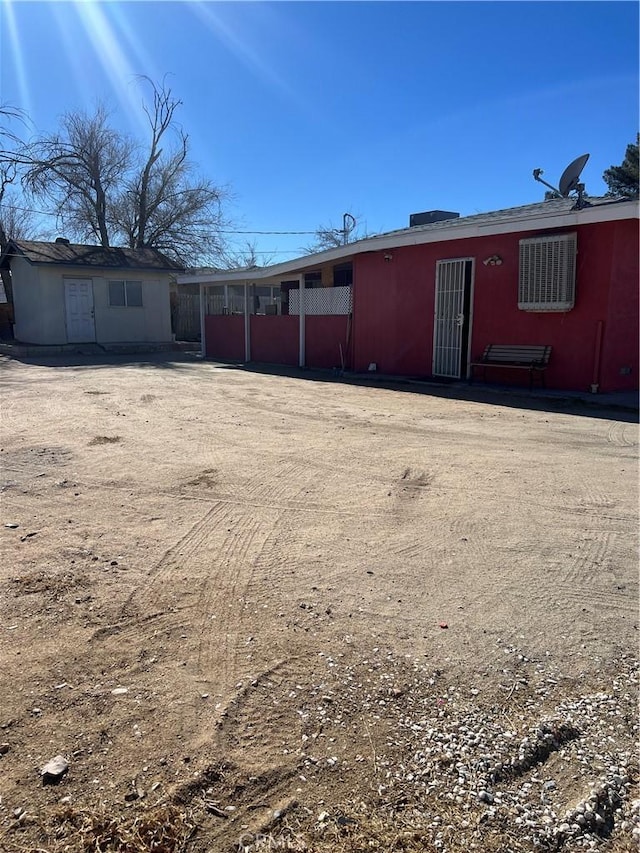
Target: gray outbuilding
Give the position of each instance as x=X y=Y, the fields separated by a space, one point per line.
x=67 y=293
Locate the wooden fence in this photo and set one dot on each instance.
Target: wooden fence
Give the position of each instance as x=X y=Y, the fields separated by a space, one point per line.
x=185 y=316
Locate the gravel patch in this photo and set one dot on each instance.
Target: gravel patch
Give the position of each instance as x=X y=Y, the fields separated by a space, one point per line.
x=457 y=767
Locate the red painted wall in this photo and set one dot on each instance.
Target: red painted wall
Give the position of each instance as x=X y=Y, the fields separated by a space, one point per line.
x=224 y=337
x=393 y=310
x=394 y=305
x=620 y=344
x=275 y=340
x=323 y=336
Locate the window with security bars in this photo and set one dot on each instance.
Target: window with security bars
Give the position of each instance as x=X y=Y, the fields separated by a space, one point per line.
x=547 y=273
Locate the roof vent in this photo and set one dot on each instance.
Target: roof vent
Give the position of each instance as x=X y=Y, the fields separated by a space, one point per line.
x=431 y=216
x=62 y=240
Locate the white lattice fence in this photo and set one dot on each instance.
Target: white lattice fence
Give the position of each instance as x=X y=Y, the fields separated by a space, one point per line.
x=322 y=301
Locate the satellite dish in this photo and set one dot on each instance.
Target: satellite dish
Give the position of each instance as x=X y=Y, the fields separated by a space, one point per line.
x=571 y=175
x=569 y=182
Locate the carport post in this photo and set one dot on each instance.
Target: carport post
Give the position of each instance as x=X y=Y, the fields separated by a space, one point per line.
x=247 y=324
x=301 y=327
x=203 y=343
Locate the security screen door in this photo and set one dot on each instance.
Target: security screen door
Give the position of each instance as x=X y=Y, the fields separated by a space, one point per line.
x=452 y=317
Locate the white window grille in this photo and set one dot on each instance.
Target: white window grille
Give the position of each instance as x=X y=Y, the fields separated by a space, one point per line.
x=322 y=301
x=547 y=273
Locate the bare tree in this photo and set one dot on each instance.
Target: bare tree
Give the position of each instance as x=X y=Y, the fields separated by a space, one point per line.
x=163 y=204
x=244 y=258
x=78 y=170
x=330 y=237
x=13 y=221
x=10 y=142
x=16 y=221
x=104 y=187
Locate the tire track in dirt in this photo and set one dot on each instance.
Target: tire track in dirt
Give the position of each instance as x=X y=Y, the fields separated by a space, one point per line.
x=217 y=557
x=225 y=594
x=183 y=551
x=591 y=487
x=443 y=534
x=586 y=563
x=581 y=570
x=276 y=486
x=249 y=715
x=156 y=592
x=601 y=599
x=244 y=720
x=591 y=511
x=207 y=572
x=256 y=798
x=272 y=543
x=448 y=523
x=421 y=545
x=621 y=434
x=378 y=508
x=257 y=545
x=595 y=499
x=317 y=486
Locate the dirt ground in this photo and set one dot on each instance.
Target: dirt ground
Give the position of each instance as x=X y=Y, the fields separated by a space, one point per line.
x=232 y=601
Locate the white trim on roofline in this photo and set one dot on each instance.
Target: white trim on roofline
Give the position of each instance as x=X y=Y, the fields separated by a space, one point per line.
x=459 y=229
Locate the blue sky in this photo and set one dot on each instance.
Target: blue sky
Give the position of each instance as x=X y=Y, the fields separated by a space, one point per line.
x=311 y=109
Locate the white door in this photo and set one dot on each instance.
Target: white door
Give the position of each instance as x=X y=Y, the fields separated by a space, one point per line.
x=78 y=300
x=452 y=321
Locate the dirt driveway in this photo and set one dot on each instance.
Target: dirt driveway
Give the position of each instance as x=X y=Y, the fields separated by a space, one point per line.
x=254 y=609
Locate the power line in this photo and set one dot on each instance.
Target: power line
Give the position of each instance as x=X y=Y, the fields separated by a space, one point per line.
x=29 y=210
x=265 y=252
x=222 y=231
x=219 y=231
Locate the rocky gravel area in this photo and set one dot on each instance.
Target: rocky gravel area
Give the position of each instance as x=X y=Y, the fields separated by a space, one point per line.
x=456 y=766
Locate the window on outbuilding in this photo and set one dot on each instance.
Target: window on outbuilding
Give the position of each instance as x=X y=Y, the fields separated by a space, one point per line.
x=547 y=279
x=125 y=294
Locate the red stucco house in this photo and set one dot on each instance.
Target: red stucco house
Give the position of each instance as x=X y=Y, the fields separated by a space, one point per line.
x=425 y=301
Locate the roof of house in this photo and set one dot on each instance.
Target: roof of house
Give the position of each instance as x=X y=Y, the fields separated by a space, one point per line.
x=508 y=214
x=78 y=255
x=553 y=213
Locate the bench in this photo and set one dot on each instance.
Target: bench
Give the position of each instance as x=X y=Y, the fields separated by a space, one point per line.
x=532 y=358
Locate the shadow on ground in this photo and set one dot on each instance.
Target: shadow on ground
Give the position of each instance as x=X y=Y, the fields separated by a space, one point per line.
x=619 y=407
x=159 y=360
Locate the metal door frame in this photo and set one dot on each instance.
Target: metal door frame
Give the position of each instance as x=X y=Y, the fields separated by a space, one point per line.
x=463 y=372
